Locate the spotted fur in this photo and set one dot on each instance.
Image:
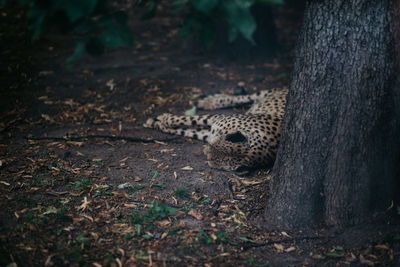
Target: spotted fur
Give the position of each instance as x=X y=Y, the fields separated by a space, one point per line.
x=234 y=141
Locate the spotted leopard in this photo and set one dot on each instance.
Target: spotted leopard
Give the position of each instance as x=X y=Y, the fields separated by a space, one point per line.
x=234 y=142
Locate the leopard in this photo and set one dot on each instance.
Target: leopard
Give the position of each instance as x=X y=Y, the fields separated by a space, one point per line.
x=237 y=142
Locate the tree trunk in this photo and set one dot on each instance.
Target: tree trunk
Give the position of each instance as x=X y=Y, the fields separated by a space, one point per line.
x=339 y=154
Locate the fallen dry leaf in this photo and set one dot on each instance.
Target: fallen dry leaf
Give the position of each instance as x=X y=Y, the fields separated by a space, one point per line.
x=279 y=247
x=290 y=249
x=84 y=205
x=47 y=117
x=285 y=234
x=75 y=143
x=382 y=246
x=130 y=205
x=163 y=223
x=87 y=217
x=196 y=214
x=187 y=168
x=250 y=182
x=365 y=261
x=4 y=182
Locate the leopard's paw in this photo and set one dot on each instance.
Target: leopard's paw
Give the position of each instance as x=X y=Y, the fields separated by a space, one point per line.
x=149 y=123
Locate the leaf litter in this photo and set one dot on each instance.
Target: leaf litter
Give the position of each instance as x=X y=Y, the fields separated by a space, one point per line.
x=67 y=202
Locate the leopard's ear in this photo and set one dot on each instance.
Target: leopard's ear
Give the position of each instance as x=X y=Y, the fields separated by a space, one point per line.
x=237 y=137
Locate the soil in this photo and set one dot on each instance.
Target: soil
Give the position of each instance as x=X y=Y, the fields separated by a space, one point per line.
x=83 y=183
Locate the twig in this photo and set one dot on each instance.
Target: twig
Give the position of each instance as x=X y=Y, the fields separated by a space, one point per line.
x=256 y=245
x=113 y=138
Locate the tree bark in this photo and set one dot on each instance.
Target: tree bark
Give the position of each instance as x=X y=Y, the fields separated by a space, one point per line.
x=339 y=154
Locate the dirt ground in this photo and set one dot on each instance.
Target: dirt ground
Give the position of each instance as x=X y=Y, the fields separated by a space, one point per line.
x=135 y=196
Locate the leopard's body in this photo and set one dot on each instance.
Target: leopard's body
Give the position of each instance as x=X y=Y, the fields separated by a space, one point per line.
x=234 y=141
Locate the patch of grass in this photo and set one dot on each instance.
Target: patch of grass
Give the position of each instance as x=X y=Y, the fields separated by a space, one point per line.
x=76 y=254
x=37 y=181
x=83 y=240
x=100 y=164
x=142 y=256
x=138 y=187
x=23 y=199
x=45 y=154
x=251 y=261
x=62 y=216
x=187 y=208
x=82 y=184
x=201 y=255
x=389 y=238
x=181 y=193
x=204 y=237
x=155 y=213
x=222 y=237
x=207 y=200
x=109 y=257
x=175 y=232
x=104 y=191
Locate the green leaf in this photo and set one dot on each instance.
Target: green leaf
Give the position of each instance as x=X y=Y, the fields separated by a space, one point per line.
x=94 y=46
x=86 y=26
x=3 y=3
x=191 y=112
x=271 y=2
x=204 y=6
x=25 y=2
x=80 y=48
x=138 y=187
x=232 y=34
x=177 y=6
x=333 y=255
x=181 y=193
x=187 y=28
x=206 y=32
x=146 y=236
x=161 y=185
x=338 y=248
x=239 y=16
x=77 y=9
x=115 y=35
x=36 y=18
x=170 y=211
x=151 y=10
x=154 y=174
